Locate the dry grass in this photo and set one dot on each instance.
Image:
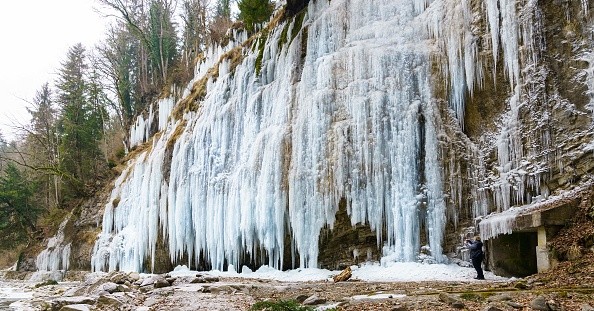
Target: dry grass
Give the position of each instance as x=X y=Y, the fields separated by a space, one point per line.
x=235 y=55
x=176 y=134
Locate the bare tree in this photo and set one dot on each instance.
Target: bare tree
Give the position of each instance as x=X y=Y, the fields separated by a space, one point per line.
x=42 y=143
x=195 y=30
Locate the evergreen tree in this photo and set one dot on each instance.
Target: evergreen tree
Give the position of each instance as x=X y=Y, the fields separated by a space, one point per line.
x=97 y=117
x=3 y=149
x=43 y=112
x=254 y=12
x=80 y=124
x=116 y=63
x=162 y=38
x=18 y=214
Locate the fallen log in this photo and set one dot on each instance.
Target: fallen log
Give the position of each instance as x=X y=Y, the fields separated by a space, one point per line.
x=344 y=275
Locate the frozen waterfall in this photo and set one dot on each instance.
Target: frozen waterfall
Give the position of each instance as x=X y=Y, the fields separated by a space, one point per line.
x=56 y=256
x=270 y=153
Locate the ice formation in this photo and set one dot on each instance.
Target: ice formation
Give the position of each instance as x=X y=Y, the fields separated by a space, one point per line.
x=138 y=133
x=271 y=152
x=56 y=256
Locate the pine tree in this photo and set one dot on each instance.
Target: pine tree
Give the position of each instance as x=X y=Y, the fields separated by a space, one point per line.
x=254 y=12
x=162 y=38
x=116 y=63
x=97 y=116
x=18 y=214
x=80 y=124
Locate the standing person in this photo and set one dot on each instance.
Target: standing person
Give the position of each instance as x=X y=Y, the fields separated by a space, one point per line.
x=476 y=255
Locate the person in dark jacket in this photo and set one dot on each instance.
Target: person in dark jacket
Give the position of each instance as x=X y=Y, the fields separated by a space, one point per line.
x=476 y=255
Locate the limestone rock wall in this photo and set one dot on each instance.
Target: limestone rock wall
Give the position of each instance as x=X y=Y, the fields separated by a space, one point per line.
x=525 y=132
x=520 y=146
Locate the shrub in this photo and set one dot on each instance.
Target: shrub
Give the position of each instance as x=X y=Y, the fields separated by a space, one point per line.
x=48 y=282
x=471 y=297
x=280 y=305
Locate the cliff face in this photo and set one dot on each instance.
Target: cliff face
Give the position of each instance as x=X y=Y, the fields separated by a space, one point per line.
x=356 y=130
x=535 y=141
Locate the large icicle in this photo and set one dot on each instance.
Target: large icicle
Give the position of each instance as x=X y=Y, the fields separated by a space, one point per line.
x=56 y=256
x=271 y=154
x=131 y=218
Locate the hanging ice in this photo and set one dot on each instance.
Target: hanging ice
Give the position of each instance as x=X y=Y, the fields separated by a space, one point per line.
x=271 y=154
x=56 y=256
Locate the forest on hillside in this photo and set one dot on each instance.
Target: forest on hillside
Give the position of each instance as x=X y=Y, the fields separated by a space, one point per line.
x=79 y=121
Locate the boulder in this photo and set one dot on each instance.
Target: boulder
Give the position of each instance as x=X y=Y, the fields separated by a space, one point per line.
x=170 y=280
x=454 y=302
x=119 y=278
x=77 y=307
x=539 y=303
x=314 y=300
x=147 y=281
x=501 y=297
x=301 y=298
x=134 y=276
x=553 y=305
x=205 y=279
x=110 y=287
x=59 y=303
x=516 y=305
x=109 y=302
x=161 y=282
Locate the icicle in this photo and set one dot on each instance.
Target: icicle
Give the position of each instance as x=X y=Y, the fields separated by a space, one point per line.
x=450 y=24
x=502 y=223
x=510 y=41
x=492 y=8
x=56 y=256
x=137 y=132
x=147 y=126
x=165 y=108
x=588 y=76
x=271 y=155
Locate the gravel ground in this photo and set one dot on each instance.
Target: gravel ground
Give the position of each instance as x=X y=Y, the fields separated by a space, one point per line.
x=189 y=293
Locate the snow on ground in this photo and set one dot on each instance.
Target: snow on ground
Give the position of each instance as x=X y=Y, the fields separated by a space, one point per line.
x=387 y=272
x=9 y=292
x=16 y=294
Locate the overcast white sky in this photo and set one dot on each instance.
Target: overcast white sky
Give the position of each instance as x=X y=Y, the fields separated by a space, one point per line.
x=35 y=36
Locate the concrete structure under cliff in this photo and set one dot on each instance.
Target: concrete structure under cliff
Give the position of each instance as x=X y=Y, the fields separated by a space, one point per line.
x=516 y=239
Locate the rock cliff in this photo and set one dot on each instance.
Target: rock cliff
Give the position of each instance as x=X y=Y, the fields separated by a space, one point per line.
x=351 y=130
